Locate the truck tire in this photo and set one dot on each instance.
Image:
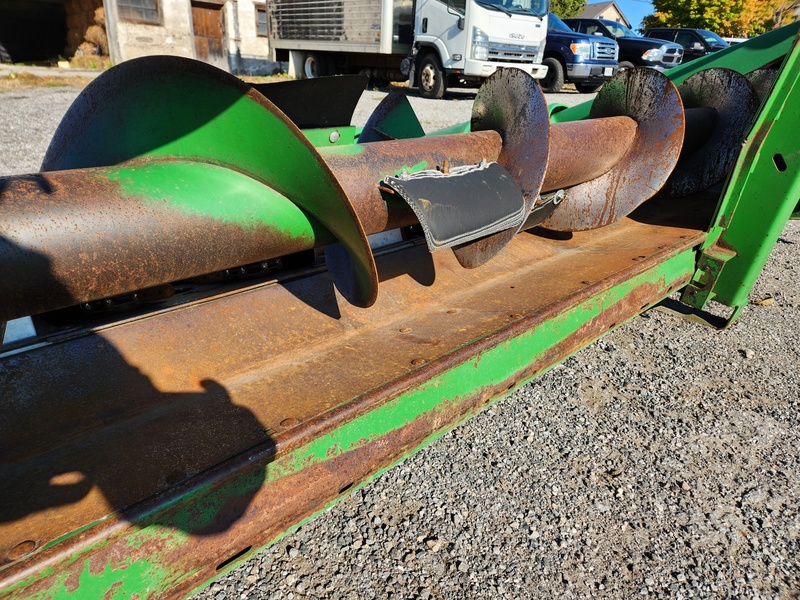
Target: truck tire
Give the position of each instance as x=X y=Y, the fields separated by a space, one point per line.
x=554 y=80
x=5 y=57
x=431 y=76
x=588 y=88
x=315 y=64
x=625 y=64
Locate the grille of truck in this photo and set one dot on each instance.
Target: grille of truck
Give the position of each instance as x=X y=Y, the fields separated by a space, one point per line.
x=604 y=50
x=511 y=53
x=673 y=56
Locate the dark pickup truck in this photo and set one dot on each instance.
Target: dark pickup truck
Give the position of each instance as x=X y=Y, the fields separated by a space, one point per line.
x=634 y=50
x=585 y=60
x=695 y=42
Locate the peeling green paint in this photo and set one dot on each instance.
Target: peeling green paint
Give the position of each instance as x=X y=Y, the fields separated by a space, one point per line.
x=138 y=578
x=427 y=398
x=127 y=579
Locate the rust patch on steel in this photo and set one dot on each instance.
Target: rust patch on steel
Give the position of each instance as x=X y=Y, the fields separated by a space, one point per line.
x=574 y=153
x=710 y=151
x=511 y=103
x=650 y=99
x=473 y=254
x=73 y=236
x=360 y=173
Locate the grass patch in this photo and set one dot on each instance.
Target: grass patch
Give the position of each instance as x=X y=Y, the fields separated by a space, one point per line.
x=23 y=80
x=20 y=81
x=265 y=78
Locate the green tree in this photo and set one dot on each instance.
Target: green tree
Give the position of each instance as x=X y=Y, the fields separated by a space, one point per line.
x=567 y=8
x=735 y=18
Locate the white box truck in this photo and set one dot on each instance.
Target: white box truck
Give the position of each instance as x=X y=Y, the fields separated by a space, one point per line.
x=432 y=43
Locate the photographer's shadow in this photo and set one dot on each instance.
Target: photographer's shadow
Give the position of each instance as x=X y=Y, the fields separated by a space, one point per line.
x=84 y=434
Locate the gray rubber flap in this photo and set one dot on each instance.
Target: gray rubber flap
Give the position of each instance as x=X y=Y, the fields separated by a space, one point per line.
x=463 y=204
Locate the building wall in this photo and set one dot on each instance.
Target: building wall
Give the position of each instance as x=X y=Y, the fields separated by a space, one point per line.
x=131 y=39
x=247 y=52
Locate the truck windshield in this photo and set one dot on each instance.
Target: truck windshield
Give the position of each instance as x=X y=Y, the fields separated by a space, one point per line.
x=712 y=38
x=556 y=24
x=518 y=7
x=618 y=30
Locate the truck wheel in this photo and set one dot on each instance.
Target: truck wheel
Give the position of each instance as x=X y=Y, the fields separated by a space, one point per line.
x=315 y=65
x=554 y=80
x=5 y=57
x=626 y=65
x=431 y=77
x=588 y=88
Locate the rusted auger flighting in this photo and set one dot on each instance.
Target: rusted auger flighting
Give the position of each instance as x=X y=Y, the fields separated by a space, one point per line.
x=166 y=169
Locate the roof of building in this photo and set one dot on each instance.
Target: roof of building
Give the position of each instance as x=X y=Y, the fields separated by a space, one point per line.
x=593 y=11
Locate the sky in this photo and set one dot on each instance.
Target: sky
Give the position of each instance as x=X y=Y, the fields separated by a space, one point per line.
x=634 y=10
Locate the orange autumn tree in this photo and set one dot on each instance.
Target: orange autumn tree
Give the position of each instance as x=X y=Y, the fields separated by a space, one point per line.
x=734 y=18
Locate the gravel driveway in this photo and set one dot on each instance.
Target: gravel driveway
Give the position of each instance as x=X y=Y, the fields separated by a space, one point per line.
x=662 y=460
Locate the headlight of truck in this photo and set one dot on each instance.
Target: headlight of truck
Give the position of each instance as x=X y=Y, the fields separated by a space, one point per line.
x=654 y=54
x=582 y=49
x=480 y=44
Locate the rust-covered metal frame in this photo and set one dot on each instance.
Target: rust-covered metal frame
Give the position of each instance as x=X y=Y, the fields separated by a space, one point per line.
x=231 y=447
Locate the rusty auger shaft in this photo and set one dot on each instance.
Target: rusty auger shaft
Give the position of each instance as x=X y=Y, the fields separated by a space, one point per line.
x=166 y=169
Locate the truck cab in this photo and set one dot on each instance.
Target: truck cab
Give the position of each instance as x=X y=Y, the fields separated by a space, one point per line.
x=587 y=61
x=467 y=40
x=695 y=42
x=634 y=50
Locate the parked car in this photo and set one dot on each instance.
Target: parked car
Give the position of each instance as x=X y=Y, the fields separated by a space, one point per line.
x=571 y=57
x=634 y=50
x=695 y=42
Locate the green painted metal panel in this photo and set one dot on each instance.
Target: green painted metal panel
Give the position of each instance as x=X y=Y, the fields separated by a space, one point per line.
x=336 y=136
x=458 y=128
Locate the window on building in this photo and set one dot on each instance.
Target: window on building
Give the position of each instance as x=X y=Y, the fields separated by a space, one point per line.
x=145 y=11
x=261 y=21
